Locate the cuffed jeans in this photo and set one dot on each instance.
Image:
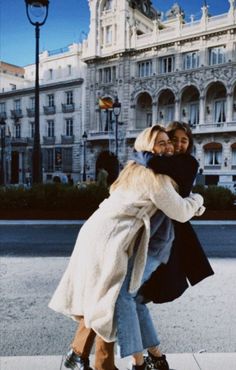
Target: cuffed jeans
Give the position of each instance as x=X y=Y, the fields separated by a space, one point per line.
x=135 y=329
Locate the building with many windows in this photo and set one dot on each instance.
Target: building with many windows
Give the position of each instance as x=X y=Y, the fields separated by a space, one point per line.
x=161 y=68
x=61 y=99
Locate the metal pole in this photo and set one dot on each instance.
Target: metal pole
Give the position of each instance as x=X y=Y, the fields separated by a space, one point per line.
x=37 y=165
x=116 y=137
x=84 y=164
x=2 y=181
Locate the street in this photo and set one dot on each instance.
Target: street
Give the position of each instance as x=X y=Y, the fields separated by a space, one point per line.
x=58 y=239
x=204 y=318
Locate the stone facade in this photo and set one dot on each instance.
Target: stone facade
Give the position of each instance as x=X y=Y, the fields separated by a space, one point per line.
x=163 y=70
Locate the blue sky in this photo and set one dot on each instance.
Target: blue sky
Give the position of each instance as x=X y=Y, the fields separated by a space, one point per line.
x=67 y=22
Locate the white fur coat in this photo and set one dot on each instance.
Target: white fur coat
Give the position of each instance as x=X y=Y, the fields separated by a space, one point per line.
x=98 y=265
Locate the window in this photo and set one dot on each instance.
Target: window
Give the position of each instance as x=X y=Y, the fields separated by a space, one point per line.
x=50 y=128
x=49 y=159
x=32 y=129
x=108 y=34
x=67 y=159
x=145 y=68
x=50 y=73
x=193 y=114
x=220 y=111
x=69 y=97
x=167 y=64
x=217 y=55
x=2 y=107
x=32 y=103
x=168 y=113
x=17 y=104
x=69 y=127
x=233 y=156
x=213 y=157
x=51 y=100
x=107 y=75
x=69 y=70
x=191 y=60
x=108 y=5
x=18 y=131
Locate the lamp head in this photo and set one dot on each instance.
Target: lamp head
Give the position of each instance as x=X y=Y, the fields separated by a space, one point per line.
x=37 y=11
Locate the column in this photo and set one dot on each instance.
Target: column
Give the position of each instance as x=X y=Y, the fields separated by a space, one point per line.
x=201 y=110
x=177 y=109
x=229 y=108
x=154 y=113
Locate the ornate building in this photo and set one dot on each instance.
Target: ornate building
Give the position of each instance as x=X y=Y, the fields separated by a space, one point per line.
x=162 y=68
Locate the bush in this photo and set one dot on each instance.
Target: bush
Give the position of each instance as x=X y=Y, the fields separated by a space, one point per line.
x=215 y=197
x=54 y=197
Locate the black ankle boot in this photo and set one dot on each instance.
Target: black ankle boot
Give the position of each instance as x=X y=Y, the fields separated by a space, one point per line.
x=74 y=361
x=158 y=363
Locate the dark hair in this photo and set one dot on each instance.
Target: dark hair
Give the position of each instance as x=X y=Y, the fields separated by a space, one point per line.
x=177 y=125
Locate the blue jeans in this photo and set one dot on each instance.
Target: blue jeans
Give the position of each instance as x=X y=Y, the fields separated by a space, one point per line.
x=135 y=329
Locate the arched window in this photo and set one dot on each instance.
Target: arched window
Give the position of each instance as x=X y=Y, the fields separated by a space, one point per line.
x=213 y=154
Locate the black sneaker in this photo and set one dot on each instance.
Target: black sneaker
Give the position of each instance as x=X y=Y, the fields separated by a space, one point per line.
x=158 y=363
x=74 y=361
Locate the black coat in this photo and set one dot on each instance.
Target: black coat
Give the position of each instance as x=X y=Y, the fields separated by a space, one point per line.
x=187 y=261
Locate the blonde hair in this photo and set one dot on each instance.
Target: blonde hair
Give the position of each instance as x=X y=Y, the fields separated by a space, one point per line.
x=134 y=175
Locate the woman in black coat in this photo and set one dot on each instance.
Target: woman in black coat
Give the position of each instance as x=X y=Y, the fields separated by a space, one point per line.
x=187 y=262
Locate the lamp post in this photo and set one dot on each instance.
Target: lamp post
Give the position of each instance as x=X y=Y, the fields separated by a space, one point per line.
x=116 y=110
x=3 y=135
x=37 y=12
x=84 y=137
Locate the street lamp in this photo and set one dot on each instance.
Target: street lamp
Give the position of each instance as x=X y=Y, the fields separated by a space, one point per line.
x=37 y=12
x=84 y=137
x=3 y=133
x=116 y=110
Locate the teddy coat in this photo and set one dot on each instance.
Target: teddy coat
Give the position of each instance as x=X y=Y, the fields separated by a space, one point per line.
x=98 y=264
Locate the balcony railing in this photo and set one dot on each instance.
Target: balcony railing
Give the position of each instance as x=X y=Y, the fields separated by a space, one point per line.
x=100 y=135
x=19 y=141
x=49 y=110
x=67 y=139
x=30 y=112
x=68 y=108
x=16 y=113
x=49 y=140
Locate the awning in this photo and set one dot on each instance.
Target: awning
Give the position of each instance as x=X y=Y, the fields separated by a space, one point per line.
x=215 y=146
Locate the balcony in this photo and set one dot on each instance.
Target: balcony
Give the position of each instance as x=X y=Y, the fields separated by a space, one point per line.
x=49 y=110
x=16 y=114
x=67 y=139
x=19 y=141
x=49 y=140
x=68 y=108
x=100 y=135
x=30 y=112
x=3 y=115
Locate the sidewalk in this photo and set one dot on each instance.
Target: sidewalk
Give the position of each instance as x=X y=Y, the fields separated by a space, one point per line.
x=182 y=361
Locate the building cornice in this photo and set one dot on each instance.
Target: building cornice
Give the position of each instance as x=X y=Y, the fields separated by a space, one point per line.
x=42 y=88
x=181 y=40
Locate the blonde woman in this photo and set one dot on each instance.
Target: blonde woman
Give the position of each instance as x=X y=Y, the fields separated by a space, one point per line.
x=106 y=244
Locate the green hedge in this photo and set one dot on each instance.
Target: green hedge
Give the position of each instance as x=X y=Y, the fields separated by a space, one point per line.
x=216 y=197
x=85 y=200
x=54 y=197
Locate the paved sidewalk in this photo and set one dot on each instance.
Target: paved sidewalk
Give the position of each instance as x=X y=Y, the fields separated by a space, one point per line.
x=182 y=361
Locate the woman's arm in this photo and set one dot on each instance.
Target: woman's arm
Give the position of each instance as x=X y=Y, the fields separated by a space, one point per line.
x=166 y=198
x=182 y=168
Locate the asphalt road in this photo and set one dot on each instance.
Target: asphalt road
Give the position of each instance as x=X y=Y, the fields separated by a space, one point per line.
x=58 y=240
